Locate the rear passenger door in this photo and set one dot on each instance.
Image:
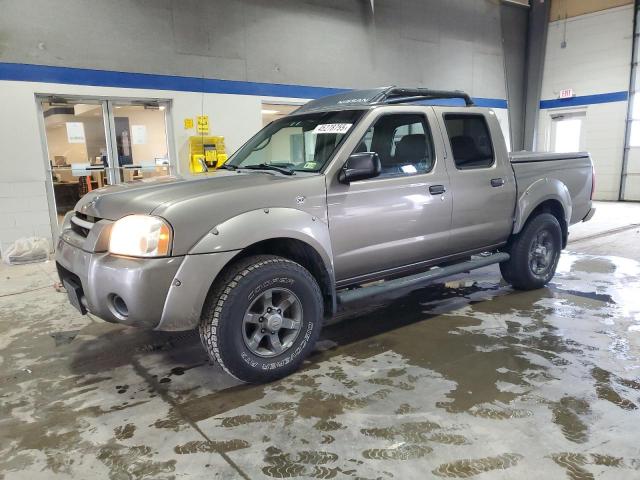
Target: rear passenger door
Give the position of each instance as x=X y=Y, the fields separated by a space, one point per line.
x=482 y=183
x=401 y=217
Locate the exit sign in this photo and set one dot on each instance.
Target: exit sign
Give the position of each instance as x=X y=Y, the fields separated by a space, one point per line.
x=566 y=93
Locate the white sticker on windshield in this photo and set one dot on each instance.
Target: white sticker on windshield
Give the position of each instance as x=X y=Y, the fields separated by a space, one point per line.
x=339 y=128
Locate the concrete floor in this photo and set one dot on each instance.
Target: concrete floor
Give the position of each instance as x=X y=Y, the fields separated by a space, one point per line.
x=460 y=379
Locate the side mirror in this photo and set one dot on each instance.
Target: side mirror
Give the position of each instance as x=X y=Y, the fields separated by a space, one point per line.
x=360 y=166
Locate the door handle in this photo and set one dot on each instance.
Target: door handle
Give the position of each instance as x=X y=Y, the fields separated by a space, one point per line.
x=437 y=189
x=497 y=182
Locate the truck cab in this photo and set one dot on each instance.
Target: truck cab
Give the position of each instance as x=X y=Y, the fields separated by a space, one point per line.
x=445 y=190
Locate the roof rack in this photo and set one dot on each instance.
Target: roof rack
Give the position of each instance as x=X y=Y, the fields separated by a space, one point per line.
x=392 y=95
x=380 y=96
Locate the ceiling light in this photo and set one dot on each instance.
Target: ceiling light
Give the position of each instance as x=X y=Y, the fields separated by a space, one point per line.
x=162 y=107
x=270 y=112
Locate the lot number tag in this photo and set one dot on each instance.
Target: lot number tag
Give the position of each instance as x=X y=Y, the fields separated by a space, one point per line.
x=339 y=128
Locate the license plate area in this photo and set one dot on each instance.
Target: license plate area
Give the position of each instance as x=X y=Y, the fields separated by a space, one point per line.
x=75 y=294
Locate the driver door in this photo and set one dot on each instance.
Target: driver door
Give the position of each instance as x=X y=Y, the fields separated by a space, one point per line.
x=400 y=218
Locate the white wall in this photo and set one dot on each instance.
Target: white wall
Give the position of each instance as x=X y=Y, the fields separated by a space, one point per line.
x=24 y=206
x=596 y=60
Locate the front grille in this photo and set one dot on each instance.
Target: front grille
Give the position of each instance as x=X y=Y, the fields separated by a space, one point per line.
x=87 y=218
x=82 y=224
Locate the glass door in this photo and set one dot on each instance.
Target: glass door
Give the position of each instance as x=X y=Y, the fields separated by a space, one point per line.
x=91 y=143
x=139 y=140
x=77 y=152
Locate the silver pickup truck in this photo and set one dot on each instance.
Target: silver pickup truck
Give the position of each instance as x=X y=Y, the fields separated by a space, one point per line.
x=351 y=196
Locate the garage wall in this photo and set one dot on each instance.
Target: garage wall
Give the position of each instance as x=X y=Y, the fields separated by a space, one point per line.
x=331 y=43
x=595 y=63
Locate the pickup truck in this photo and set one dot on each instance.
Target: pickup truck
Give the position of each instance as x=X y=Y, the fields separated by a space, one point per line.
x=349 y=197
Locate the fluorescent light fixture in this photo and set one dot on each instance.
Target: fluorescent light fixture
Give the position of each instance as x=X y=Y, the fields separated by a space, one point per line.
x=162 y=107
x=270 y=112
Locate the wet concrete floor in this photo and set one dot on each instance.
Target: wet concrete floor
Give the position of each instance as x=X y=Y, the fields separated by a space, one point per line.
x=462 y=379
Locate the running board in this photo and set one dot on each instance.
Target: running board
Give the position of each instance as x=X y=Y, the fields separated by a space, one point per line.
x=420 y=279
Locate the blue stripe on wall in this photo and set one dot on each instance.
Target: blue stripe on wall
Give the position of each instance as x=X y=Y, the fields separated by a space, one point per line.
x=480 y=102
x=585 y=100
x=108 y=78
x=490 y=102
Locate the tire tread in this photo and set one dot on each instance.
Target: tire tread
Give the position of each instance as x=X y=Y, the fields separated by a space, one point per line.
x=516 y=270
x=223 y=290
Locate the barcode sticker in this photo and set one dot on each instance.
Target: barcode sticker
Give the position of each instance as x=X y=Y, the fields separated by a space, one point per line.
x=339 y=128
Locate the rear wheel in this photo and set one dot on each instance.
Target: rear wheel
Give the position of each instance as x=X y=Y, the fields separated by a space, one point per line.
x=535 y=252
x=262 y=318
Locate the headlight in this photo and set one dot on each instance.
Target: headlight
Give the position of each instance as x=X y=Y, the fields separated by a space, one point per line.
x=140 y=236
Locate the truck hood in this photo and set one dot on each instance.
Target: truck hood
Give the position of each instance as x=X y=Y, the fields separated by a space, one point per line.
x=117 y=201
x=194 y=206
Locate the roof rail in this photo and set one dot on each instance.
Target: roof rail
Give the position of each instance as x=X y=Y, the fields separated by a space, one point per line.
x=380 y=96
x=393 y=95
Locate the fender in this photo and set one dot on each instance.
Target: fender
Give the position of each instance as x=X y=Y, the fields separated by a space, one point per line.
x=540 y=191
x=255 y=226
x=216 y=249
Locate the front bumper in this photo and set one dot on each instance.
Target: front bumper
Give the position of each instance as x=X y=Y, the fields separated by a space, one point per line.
x=159 y=293
x=141 y=283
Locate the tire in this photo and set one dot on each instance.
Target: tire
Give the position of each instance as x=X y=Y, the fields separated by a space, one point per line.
x=530 y=267
x=238 y=332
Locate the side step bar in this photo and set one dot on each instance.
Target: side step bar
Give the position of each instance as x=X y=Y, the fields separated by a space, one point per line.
x=420 y=279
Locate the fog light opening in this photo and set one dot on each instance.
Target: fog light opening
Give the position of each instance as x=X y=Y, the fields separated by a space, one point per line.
x=119 y=306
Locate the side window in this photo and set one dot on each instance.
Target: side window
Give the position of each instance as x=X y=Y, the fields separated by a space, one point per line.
x=403 y=143
x=470 y=140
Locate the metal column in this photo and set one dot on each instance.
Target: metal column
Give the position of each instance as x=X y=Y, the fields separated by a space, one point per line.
x=634 y=87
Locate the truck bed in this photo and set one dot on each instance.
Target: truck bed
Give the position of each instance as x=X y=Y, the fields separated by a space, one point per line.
x=571 y=169
x=527 y=157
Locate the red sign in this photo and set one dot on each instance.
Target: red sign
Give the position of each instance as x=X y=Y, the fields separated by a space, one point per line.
x=566 y=93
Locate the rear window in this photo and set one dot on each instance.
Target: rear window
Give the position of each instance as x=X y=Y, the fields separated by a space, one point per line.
x=470 y=140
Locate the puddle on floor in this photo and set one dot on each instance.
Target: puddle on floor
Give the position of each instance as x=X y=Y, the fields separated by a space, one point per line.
x=462 y=378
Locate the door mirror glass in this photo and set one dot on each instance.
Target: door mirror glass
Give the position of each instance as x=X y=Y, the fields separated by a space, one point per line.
x=360 y=166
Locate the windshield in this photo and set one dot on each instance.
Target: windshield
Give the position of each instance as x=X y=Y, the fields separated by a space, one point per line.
x=300 y=143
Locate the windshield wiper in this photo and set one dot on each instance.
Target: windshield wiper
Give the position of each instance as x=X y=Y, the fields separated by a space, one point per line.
x=228 y=166
x=267 y=166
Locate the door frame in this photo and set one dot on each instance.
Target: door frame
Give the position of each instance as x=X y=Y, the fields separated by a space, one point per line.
x=110 y=125
x=555 y=114
x=334 y=187
x=106 y=103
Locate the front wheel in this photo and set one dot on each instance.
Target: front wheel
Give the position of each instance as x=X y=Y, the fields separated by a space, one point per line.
x=262 y=318
x=535 y=252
